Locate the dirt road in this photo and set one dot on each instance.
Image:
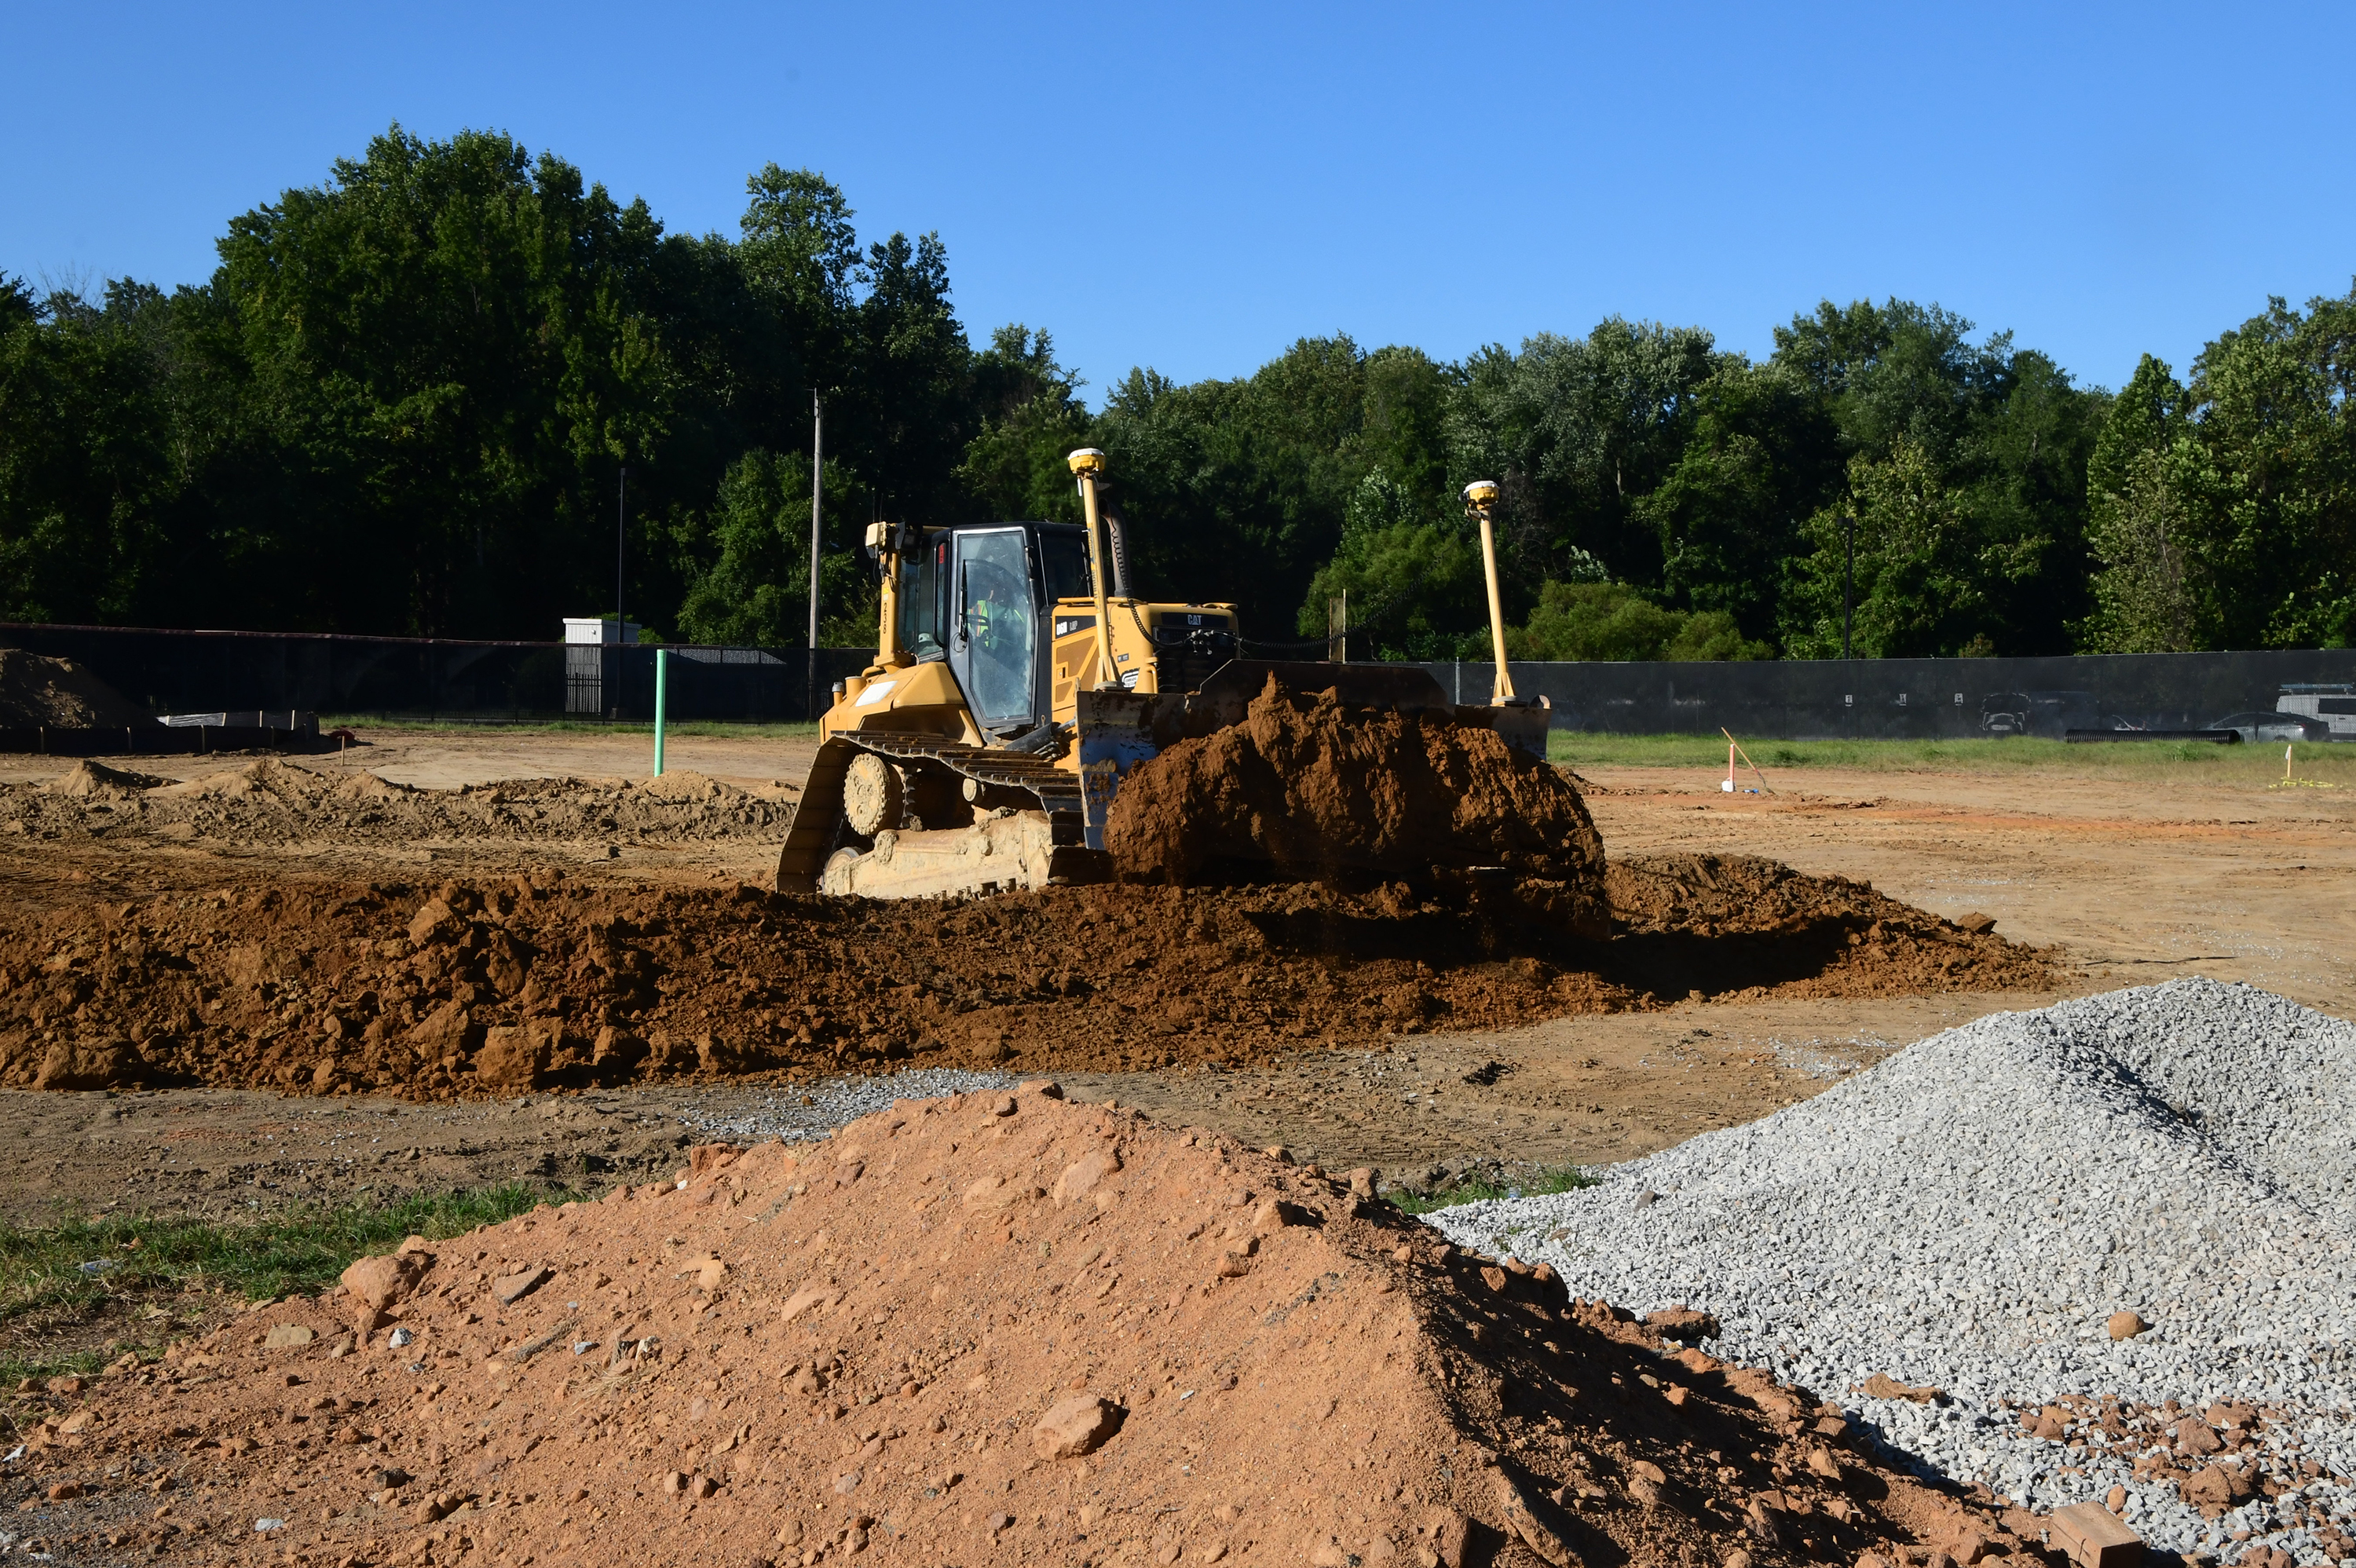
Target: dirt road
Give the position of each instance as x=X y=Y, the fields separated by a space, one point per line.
x=2132 y=882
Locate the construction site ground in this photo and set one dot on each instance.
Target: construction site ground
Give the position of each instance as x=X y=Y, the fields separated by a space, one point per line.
x=2117 y=879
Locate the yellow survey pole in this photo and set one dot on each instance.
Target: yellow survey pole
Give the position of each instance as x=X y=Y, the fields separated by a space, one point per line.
x=1086 y=464
x=1480 y=499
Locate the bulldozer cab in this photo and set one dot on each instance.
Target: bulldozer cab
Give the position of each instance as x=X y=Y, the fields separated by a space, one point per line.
x=981 y=600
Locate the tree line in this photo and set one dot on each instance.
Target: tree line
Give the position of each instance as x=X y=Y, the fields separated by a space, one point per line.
x=404 y=401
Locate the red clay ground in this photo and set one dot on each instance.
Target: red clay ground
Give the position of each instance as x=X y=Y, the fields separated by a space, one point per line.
x=559 y=980
x=989 y=1328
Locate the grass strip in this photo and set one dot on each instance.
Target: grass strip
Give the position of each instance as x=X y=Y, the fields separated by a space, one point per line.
x=55 y=1277
x=2255 y=765
x=1477 y=1189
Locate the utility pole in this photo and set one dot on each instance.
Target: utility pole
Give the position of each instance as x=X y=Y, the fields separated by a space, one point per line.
x=621 y=523
x=818 y=496
x=1849 y=581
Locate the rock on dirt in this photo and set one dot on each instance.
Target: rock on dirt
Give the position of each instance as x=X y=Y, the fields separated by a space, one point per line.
x=1075 y=1427
x=1333 y=1404
x=385 y=1282
x=1681 y=1323
x=36 y=690
x=1314 y=787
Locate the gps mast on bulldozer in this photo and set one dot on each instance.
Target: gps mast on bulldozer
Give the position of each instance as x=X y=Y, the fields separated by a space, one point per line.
x=1016 y=681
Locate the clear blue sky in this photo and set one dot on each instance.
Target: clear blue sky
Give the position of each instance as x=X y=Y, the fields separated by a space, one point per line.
x=1193 y=188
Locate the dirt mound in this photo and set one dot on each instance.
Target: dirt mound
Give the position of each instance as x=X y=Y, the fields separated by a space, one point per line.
x=37 y=690
x=998 y=1325
x=89 y=778
x=1719 y=922
x=1724 y=895
x=270 y=802
x=557 y=980
x=1314 y=787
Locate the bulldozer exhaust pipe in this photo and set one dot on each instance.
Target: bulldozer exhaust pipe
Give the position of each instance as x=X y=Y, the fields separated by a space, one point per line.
x=1481 y=499
x=1086 y=464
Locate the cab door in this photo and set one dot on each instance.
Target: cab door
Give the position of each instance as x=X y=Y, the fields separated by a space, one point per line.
x=994 y=628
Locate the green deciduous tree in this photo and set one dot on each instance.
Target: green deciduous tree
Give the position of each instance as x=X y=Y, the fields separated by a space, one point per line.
x=2135 y=525
x=2270 y=498
x=1967 y=479
x=1239 y=490
x=756 y=537
x=1032 y=421
x=1763 y=454
x=1613 y=621
x=403 y=403
x=85 y=458
x=1579 y=429
x=450 y=342
x=1412 y=581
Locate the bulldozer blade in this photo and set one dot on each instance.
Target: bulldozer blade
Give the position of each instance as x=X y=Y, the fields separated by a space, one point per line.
x=1229 y=688
x=1521 y=723
x=801 y=859
x=1119 y=730
x=1115 y=733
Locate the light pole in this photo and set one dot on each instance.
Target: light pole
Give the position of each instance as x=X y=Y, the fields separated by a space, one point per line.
x=1849 y=581
x=621 y=522
x=818 y=496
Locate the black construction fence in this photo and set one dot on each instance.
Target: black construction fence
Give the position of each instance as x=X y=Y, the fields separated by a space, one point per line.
x=1799 y=699
x=1824 y=699
x=441 y=679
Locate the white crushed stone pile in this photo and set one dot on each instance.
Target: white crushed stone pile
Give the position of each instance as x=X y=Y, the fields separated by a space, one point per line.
x=1969 y=1213
x=801 y=1115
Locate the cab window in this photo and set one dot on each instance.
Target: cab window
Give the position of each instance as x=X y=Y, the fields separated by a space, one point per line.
x=993 y=630
x=1065 y=558
x=924 y=583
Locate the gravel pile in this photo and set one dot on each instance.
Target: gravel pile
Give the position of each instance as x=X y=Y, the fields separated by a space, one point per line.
x=803 y=1115
x=1969 y=1213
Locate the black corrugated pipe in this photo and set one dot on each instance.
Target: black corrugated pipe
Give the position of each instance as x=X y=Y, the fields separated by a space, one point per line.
x=1120 y=554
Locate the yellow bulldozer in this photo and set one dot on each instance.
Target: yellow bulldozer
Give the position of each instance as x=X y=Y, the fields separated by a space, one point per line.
x=1018 y=680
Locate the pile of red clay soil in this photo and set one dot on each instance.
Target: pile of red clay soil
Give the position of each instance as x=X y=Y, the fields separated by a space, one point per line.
x=1313 y=788
x=990 y=1327
x=268 y=802
x=1714 y=918
x=560 y=981
x=37 y=690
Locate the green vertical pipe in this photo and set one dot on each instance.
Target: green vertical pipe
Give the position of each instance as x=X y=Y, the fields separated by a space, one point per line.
x=662 y=668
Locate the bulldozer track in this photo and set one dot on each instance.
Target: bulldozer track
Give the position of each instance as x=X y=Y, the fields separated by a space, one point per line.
x=811 y=838
x=1056 y=791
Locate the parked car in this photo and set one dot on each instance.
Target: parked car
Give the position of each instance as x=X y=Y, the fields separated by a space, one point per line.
x=2333 y=703
x=2005 y=713
x=2254 y=727
x=2051 y=714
